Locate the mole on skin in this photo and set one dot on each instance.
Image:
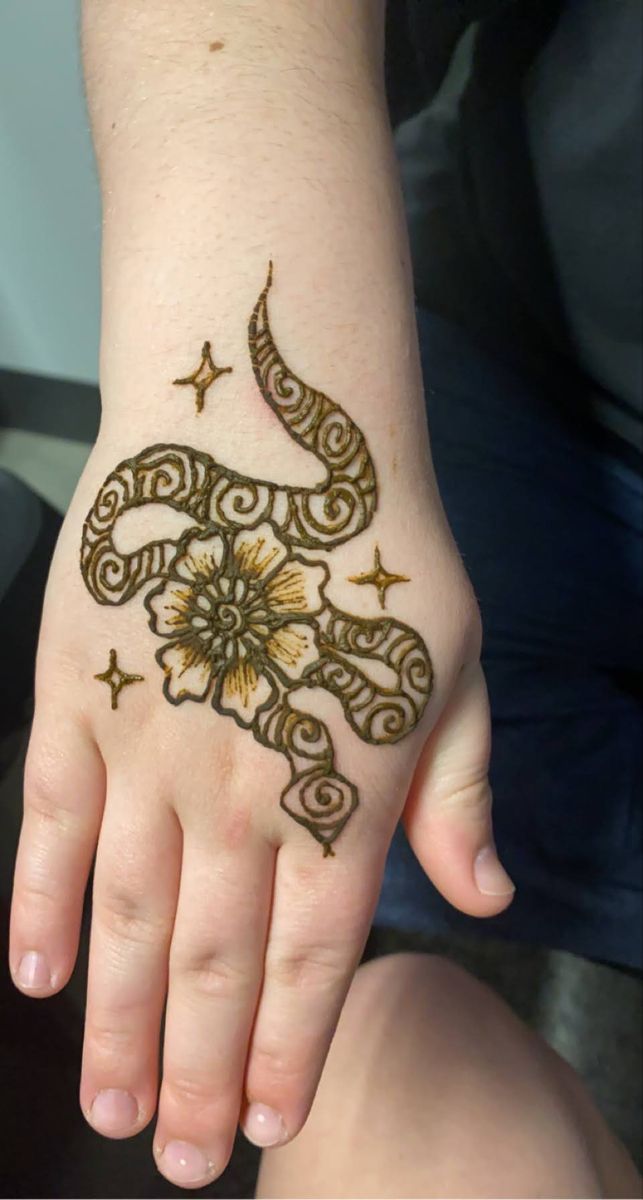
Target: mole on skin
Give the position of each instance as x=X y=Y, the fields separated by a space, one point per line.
x=216 y=46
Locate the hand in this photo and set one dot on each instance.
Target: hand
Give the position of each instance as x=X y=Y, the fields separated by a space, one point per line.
x=206 y=891
x=242 y=793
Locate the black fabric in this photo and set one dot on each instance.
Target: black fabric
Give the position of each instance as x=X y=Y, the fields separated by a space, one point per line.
x=483 y=254
x=421 y=36
x=42 y=404
x=470 y=256
x=22 y=587
x=500 y=209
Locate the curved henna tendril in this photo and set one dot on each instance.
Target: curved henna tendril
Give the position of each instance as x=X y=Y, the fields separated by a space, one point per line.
x=243 y=615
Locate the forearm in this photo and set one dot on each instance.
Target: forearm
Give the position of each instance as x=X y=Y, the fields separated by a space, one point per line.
x=273 y=146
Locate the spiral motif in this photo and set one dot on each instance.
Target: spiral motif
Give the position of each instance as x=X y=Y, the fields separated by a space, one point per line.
x=285 y=386
x=229 y=618
x=304 y=738
x=111 y=500
x=338 y=439
x=389 y=720
x=322 y=802
x=239 y=502
x=107 y=572
x=329 y=517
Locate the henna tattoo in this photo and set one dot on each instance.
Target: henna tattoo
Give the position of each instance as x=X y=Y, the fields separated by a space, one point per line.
x=379 y=577
x=243 y=613
x=116 y=679
x=205 y=375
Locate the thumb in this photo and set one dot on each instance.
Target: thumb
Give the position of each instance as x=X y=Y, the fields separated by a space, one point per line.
x=448 y=813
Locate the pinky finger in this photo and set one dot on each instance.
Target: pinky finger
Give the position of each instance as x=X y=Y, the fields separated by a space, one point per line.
x=63 y=802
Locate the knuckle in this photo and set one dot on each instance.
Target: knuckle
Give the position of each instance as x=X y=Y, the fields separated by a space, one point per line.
x=284 y=1068
x=189 y=1089
x=307 y=967
x=471 y=798
x=108 y=1042
x=209 y=973
x=125 y=917
x=43 y=801
x=39 y=894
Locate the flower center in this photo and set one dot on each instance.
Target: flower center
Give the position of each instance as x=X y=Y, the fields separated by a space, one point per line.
x=228 y=617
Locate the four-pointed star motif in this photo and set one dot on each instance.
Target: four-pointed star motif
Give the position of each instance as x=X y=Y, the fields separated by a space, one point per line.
x=116 y=679
x=379 y=578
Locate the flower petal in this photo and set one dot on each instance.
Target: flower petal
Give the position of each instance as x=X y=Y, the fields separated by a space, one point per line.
x=297 y=587
x=168 y=606
x=188 y=673
x=258 y=552
x=202 y=556
x=293 y=648
x=244 y=692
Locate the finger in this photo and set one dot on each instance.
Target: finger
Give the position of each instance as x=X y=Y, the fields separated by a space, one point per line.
x=63 y=801
x=135 y=889
x=216 y=964
x=448 y=813
x=321 y=916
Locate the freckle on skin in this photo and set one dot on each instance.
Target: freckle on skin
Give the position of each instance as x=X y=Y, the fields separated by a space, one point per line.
x=216 y=46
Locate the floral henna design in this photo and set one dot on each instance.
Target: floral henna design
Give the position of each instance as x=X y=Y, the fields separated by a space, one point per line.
x=242 y=611
x=238 y=613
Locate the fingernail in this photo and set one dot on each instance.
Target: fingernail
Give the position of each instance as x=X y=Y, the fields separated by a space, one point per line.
x=184 y=1163
x=33 y=971
x=490 y=876
x=263 y=1126
x=114 y=1111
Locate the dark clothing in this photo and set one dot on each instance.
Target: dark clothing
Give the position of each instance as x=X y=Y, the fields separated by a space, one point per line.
x=550 y=527
x=524 y=182
x=521 y=165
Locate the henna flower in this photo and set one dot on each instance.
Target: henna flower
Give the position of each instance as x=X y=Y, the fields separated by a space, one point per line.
x=238 y=614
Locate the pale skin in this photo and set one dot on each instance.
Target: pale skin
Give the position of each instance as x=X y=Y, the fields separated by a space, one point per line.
x=273 y=145
x=458 y=1099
